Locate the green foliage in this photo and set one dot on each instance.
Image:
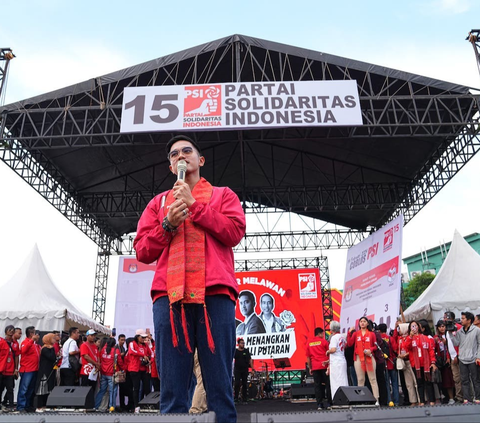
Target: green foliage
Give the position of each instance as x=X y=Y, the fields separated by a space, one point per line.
x=416 y=287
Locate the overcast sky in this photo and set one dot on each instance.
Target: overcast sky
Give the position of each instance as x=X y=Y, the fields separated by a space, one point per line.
x=60 y=43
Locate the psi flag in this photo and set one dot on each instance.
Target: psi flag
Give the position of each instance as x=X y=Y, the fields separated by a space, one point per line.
x=373 y=278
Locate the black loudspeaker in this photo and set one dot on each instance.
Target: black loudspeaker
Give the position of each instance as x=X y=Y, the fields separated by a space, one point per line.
x=151 y=401
x=71 y=397
x=297 y=390
x=353 y=395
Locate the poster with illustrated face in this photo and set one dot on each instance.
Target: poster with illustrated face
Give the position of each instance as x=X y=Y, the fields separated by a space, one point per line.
x=277 y=311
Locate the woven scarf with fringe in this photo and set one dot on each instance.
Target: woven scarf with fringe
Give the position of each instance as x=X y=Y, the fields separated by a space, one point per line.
x=186 y=266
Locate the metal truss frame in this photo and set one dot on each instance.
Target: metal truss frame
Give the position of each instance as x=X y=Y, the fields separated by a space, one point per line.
x=391 y=107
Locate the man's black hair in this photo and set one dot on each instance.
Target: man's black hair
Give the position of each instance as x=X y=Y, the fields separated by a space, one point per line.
x=71 y=330
x=477 y=316
x=9 y=328
x=450 y=315
x=182 y=138
x=468 y=316
x=249 y=294
x=318 y=331
x=29 y=331
x=122 y=336
x=382 y=327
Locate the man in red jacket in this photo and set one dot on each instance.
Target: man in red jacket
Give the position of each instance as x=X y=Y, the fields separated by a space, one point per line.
x=317 y=362
x=30 y=353
x=190 y=231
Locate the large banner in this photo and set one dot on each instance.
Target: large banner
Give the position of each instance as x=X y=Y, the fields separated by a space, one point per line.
x=133 y=308
x=240 y=105
x=277 y=311
x=373 y=278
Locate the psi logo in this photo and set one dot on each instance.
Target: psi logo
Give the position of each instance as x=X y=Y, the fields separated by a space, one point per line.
x=307 y=284
x=388 y=240
x=203 y=100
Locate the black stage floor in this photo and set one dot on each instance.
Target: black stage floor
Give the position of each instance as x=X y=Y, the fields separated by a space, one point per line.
x=271 y=406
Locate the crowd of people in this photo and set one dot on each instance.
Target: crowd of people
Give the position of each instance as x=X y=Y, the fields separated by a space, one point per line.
x=440 y=366
x=109 y=365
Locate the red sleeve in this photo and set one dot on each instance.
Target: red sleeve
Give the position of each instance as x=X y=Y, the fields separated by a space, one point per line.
x=227 y=225
x=351 y=338
x=373 y=340
x=393 y=346
x=408 y=343
x=151 y=238
x=133 y=350
x=26 y=345
x=431 y=350
x=3 y=355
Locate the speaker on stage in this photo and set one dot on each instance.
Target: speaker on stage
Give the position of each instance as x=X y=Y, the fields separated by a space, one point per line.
x=353 y=395
x=298 y=390
x=151 y=401
x=71 y=397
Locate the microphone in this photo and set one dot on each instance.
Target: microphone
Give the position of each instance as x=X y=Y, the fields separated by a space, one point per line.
x=181 y=170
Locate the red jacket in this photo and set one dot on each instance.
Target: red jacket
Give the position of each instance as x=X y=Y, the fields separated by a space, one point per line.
x=361 y=342
x=30 y=359
x=222 y=219
x=107 y=361
x=7 y=357
x=136 y=352
x=92 y=351
x=420 y=342
x=317 y=348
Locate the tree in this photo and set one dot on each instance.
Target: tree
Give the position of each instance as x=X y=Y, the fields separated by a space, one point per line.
x=415 y=287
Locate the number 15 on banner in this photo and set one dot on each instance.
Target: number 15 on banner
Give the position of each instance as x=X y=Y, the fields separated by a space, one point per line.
x=145 y=110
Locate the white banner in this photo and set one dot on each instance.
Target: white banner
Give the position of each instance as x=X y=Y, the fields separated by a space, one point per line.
x=133 y=307
x=240 y=105
x=373 y=278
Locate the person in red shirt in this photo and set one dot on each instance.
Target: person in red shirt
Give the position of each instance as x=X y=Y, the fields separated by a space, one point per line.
x=391 y=372
x=30 y=352
x=138 y=358
x=190 y=231
x=422 y=358
x=110 y=362
x=89 y=355
x=317 y=363
x=8 y=353
x=364 y=342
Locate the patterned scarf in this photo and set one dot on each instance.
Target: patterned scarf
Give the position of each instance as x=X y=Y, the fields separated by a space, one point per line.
x=186 y=265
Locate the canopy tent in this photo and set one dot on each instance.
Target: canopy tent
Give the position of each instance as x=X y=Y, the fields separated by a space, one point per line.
x=30 y=298
x=455 y=288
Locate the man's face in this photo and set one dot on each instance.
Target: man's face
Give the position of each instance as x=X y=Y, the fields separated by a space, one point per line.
x=91 y=338
x=464 y=321
x=241 y=344
x=18 y=334
x=184 y=150
x=56 y=337
x=266 y=304
x=10 y=332
x=121 y=340
x=246 y=305
x=476 y=322
x=75 y=335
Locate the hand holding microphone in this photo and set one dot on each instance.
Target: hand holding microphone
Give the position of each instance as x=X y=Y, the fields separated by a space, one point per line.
x=178 y=210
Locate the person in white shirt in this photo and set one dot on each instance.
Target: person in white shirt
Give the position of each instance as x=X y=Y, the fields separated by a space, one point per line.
x=336 y=354
x=70 y=348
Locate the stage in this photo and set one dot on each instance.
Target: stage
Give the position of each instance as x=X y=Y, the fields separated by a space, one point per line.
x=269 y=411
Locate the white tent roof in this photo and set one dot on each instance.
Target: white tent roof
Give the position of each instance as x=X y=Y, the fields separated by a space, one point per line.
x=455 y=288
x=30 y=298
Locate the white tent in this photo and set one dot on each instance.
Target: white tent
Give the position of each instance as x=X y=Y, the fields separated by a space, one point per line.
x=455 y=288
x=30 y=298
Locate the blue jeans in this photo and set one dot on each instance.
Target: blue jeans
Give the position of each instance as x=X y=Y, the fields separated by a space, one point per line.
x=106 y=381
x=26 y=390
x=175 y=365
x=391 y=376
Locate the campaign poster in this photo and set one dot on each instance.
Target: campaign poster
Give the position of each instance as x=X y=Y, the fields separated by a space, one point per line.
x=240 y=106
x=276 y=312
x=133 y=307
x=373 y=278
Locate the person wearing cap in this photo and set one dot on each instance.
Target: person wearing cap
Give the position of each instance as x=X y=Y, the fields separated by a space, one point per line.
x=90 y=362
x=190 y=231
